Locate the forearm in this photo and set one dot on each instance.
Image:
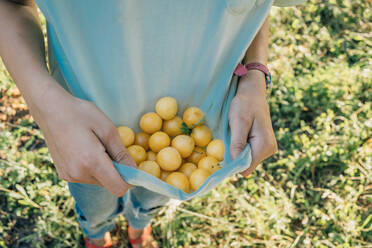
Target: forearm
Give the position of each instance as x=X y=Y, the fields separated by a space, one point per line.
x=257 y=52
x=249 y=113
x=22 y=49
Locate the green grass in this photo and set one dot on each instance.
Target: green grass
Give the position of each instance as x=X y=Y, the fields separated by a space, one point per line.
x=315 y=192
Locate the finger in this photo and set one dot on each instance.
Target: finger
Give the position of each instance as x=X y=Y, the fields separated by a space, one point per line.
x=262 y=141
x=107 y=133
x=58 y=160
x=71 y=176
x=257 y=155
x=114 y=146
x=239 y=134
x=108 y=176
x=61 y=164
x=86 y=179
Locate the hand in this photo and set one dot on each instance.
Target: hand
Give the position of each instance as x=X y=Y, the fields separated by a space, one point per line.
x=249 y=119
x=81 y=139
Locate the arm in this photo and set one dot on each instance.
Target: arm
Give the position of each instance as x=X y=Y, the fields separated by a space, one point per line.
x=22 y=48
x=249 y=114
x=81 y=139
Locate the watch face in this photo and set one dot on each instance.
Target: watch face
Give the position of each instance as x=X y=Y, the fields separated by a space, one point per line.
x=268 y=81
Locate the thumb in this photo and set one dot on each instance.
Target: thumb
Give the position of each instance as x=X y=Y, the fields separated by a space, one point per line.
x=115 y=147
x=239 y=135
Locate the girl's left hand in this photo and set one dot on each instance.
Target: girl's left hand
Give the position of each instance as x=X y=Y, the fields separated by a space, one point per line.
x=249 y=120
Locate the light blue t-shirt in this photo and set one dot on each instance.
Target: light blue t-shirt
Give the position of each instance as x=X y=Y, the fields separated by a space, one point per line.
x=123 y=55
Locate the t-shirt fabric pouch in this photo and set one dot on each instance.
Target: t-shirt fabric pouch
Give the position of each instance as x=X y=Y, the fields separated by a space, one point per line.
x=124 y=55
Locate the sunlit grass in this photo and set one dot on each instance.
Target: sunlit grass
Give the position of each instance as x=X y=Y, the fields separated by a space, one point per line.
x=315 y=192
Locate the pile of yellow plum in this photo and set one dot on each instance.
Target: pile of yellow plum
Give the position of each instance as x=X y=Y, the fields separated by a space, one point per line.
x=179 y=151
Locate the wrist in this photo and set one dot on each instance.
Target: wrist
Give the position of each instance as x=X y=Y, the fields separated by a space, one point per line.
x=242 y=70
x=252 y=83
x=42 y=95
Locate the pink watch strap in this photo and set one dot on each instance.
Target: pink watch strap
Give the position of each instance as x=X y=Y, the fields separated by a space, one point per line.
x=242 y=70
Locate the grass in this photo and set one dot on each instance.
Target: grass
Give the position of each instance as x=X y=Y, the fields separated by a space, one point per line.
x=315 y=192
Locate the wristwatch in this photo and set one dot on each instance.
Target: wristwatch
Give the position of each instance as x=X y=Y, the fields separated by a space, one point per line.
x=242 y=70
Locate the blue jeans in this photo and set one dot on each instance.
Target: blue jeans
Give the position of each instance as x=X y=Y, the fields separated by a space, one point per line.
x=96 y=208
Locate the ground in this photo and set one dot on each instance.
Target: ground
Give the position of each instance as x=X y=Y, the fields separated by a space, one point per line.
x=315 y=192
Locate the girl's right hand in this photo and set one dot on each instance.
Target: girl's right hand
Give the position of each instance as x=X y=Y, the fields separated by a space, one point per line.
x=81 y=139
